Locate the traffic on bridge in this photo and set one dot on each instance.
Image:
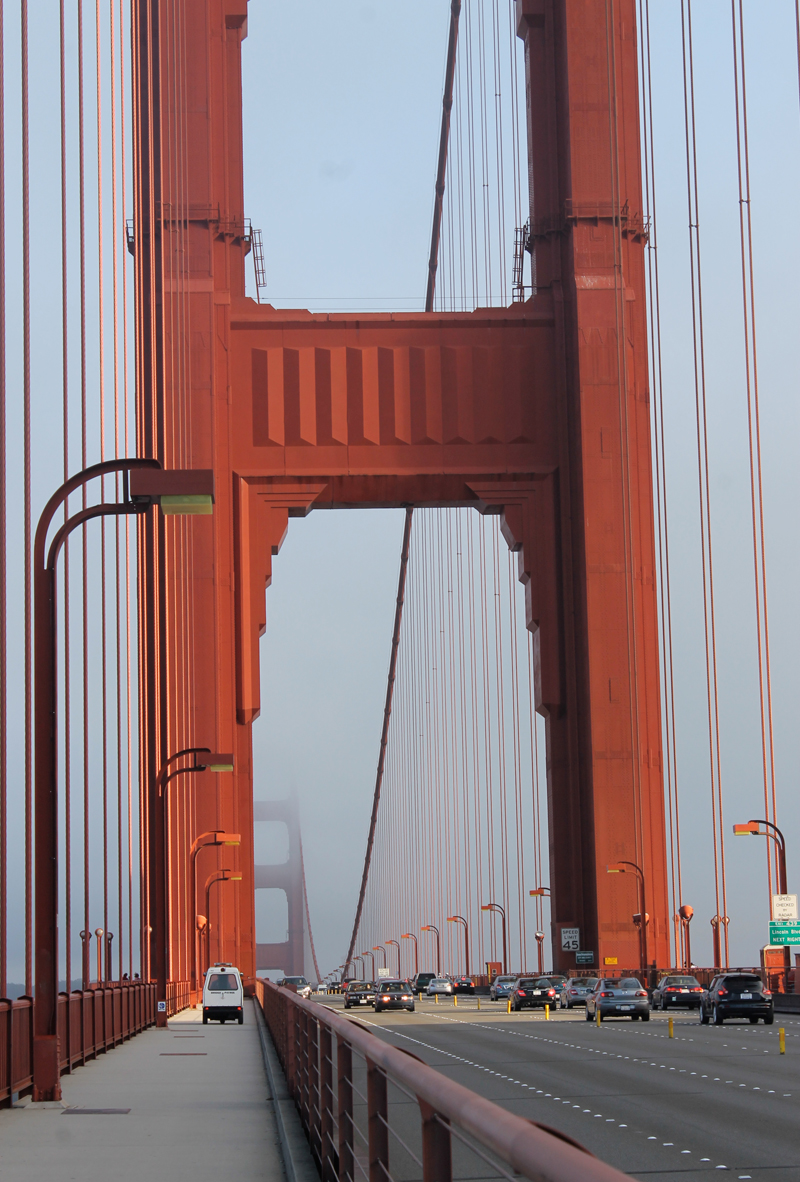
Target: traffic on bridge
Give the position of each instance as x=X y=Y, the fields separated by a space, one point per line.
x=432 y=871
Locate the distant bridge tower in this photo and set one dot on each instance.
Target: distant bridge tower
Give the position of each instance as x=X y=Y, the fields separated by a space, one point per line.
x=287 y=876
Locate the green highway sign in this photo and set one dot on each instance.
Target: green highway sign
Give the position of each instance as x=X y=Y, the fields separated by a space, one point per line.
x=784 y=932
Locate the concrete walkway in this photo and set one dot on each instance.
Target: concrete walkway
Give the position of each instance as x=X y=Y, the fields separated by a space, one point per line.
x=200 y=1108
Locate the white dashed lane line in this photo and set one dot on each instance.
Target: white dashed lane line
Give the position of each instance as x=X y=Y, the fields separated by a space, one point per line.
x=530 y=1088
x=611 y=1054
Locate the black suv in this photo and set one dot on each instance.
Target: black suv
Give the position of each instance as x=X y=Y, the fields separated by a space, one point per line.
x=737 y=995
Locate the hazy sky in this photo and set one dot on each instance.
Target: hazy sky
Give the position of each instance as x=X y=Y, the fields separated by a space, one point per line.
x=342 y=112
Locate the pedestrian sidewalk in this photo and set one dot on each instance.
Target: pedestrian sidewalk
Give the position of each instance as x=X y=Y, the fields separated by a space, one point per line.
x=198 y=1107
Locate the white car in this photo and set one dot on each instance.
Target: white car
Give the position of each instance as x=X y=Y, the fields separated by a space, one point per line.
x=223 y=996
x=440 y=985
x=297 y=985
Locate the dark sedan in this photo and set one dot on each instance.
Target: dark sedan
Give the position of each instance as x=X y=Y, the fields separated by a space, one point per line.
x=359 y=993
x=737 y=995
x=677 y=991
x=615 y=997
x=394 y=995
x=464 y=984
x=532 y=992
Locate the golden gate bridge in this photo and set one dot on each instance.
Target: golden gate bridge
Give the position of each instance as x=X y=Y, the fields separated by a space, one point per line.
x=589 y=405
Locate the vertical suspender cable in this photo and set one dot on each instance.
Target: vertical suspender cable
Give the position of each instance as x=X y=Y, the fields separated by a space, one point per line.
x=26 y=394
x=387 y=714
x=65 y=470
x=754 y=432
x=3 y=570
x=444 y=137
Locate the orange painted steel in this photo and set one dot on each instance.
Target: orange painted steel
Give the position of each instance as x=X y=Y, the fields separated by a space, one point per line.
x=88 y=1023
x=538 y=412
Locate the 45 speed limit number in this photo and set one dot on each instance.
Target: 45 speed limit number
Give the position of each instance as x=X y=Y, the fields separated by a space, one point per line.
x=570 y=939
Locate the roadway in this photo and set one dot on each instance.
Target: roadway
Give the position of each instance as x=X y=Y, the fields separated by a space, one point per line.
x=711 y=1098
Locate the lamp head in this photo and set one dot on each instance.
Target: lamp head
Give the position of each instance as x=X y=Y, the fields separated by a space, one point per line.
x=182 y=491
x=227 y=839
x=539 y=891
x=214 y=761
x=749 y=830
x=617 y=868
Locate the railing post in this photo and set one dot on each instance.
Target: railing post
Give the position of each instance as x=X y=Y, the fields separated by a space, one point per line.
x=314 y=1097
x=328 y=1169
x=290 y=1067
x=437 y=1163
x=344 y=1072
x=377 y=1123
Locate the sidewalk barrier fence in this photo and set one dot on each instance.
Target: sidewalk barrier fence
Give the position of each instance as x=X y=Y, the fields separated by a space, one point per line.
x=352 y=1089
x=89 y=1022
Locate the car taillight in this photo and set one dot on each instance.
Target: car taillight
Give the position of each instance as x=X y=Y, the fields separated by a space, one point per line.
x=573 y=992
x=640 y=993
x=607 y=994
x=670 y=989
x=521 y=992
x=766 y=993
x=722 y=992
x=551 y=992
x=697 y=989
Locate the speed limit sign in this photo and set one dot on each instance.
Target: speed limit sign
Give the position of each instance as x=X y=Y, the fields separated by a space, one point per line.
x=570 y=939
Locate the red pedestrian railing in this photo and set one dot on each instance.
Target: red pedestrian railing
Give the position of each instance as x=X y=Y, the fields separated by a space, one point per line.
x=351 y=1090
x=89 y=1023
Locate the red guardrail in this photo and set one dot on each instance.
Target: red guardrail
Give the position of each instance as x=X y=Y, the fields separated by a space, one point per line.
x=88 y=1023
x=351 y=1130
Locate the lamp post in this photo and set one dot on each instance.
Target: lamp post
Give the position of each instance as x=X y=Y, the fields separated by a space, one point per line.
x=718 y=923
x=498 y=908
x=144 y=484
x=685 y=917
x=430 y=928
x=411 y=936
x=200 y=843
x=380 y=948
x=360 y=959
x=540 y=892
x=751 y=829
x=372 y=958
x=99 y=934
x=201 y=931
x=109 y=970
x=216 y=876
x=397 y=946
x=460 y=919
x=625 y=868
x=86 y=937
x=204 y=760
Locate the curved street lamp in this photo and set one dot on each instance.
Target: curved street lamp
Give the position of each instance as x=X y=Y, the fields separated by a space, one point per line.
x=430 y=928
x=216 y=876
x=144 y=484
x=411 y=936
x=460 y=919
x=397 y=946
x=202 y=842
x=371 y=955
x=501 y=911
x=751 y=829
x=380 y=948
x=360 y=959
x=625 y=868
x=203 y=760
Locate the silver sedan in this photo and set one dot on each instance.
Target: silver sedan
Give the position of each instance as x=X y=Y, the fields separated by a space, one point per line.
x=440 y=985
x=575 y=991
x=615 y=997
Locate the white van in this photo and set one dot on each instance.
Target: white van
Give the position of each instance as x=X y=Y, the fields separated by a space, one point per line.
x=223 y=996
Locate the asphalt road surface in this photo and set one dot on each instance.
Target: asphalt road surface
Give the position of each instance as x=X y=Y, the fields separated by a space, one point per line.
x=710 y=1098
